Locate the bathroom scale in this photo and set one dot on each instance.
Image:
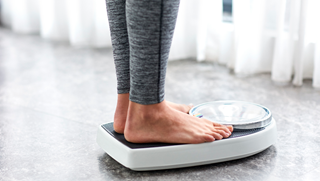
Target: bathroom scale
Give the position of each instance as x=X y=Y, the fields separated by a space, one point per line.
x=254 y=131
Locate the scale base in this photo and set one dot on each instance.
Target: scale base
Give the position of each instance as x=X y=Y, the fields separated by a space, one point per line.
x=158 y=156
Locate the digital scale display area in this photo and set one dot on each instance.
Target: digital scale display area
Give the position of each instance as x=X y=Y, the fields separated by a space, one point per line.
x=249 y=137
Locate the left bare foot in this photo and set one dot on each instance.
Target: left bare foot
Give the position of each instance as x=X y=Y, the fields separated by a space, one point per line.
x=120 y=114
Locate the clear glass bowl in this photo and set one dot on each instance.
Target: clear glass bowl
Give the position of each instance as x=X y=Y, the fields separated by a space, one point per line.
x=242 y=115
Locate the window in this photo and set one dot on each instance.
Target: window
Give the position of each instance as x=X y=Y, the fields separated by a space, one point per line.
x=227 y=11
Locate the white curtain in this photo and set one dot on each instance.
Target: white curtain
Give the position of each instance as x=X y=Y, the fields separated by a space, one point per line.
x=277 y=36
x=81 y=22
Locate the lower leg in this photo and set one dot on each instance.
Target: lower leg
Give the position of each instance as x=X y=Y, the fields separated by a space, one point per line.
x=160 y=122
x=118 y=28
x=150 y=118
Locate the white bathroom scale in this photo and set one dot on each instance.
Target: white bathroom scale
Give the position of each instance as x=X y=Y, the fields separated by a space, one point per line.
x=254 y=131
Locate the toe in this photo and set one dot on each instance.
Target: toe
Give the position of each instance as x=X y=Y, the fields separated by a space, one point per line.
x=223 y=128
x=230 y=127
x=208 y=138
x=223 y=133
x=216 y=124
x=217 y=136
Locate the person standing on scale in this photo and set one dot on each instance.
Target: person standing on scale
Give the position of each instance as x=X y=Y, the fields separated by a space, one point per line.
x=141 y=33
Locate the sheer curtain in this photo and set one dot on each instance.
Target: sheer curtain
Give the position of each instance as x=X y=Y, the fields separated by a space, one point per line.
x=283 y=39
x=277 y=36
x=81 y=22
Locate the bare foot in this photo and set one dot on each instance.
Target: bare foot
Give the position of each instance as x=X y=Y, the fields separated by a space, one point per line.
x=120 y=114
x=161 y=123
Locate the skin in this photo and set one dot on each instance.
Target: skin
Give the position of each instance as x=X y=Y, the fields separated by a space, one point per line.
x=164 y=122
x=120 y=115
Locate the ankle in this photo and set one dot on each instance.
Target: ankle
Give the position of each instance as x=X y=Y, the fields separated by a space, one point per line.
x=144 y=120
x=145 y=112
x=123 y=98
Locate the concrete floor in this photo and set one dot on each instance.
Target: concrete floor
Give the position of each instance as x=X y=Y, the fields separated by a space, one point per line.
x=53 y=97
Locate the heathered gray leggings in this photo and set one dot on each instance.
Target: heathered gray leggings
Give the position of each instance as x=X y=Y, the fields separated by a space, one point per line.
x=141 y=33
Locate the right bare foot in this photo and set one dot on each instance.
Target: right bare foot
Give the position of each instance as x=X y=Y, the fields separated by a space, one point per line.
x=120 y=115
x=161 y=123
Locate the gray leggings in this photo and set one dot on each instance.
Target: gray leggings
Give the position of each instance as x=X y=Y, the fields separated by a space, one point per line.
x=141 y=33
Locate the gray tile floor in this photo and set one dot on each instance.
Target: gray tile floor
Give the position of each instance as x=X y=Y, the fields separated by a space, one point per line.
x=53 y=97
